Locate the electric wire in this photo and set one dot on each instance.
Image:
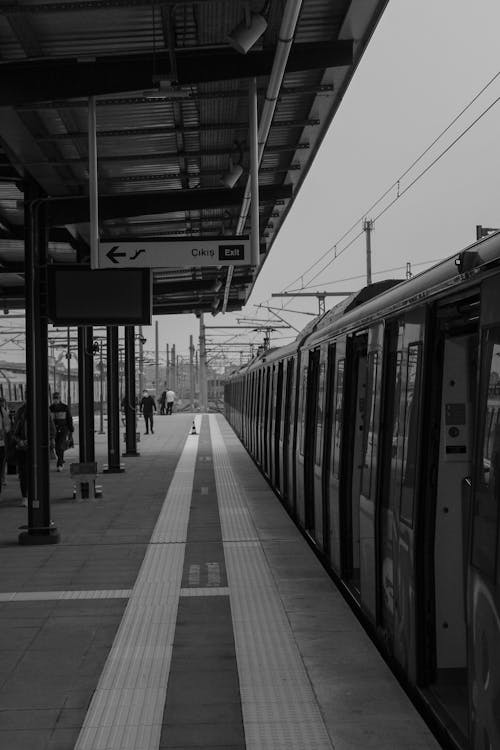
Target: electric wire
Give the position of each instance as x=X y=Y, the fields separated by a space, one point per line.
x=396 y=184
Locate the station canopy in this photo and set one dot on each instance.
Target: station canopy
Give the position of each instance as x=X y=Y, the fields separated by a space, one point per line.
x=170 y=81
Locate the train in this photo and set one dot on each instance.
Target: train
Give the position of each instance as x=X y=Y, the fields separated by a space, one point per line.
x=379 y=430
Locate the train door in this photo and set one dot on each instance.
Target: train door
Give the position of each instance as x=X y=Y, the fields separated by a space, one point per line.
x=328 y=424
x=309 y=443
x=354 y=427
x=400 y=482
x=259 y=414
x=320 y=512
x=390 y=397
x=278 y=426
x=287 y=409
x=484 y=574
x=267 y=398
x=454 y=377
x=301 y=498
x=368 y=467
x=337 y=373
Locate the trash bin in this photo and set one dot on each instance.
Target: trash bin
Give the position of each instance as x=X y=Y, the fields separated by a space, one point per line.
x=85 y=485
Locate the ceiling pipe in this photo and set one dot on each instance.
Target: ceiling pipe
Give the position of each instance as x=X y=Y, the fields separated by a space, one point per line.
x=285 y=41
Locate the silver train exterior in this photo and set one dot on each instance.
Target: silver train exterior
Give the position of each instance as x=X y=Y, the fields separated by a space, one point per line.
x=379 y=429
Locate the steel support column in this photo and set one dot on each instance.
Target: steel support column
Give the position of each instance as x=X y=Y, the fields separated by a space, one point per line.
x=40 y=529
x=86 y=394
x=113 y=402
x=130 y=398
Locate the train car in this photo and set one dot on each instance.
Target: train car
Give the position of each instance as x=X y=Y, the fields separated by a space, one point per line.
x=379 y=429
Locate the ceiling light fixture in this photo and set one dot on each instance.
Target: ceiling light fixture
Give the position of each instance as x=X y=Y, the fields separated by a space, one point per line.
x=233 y=174
x=245 y=34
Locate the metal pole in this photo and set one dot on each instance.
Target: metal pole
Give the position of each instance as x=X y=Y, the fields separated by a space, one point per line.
x=254 y=174
x=101 y=394
x=141 y=361
x=368 y=227
x=203 y=366
x=130 y=402
x=85 y=395
x=93 y=189
x=157 y=366
x=68 y=355
x=40 y=528
x=191 y=370
x=113 y=402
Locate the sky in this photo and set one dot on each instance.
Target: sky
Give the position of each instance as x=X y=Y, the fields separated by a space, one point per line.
x=425 y=63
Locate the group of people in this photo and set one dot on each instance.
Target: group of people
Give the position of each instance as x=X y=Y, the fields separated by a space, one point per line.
x=14 y=439
x=147 y=407
x=14 y=434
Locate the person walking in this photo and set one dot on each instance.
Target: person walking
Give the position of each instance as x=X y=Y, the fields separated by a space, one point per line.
x=20 y=438
x=5 y=429
x=63 y=423
x=170 y=401
x=163 y=399
x=147 y=406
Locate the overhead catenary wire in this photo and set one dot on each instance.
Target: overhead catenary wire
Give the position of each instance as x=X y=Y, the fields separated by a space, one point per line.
x=363 y=276
x=396 y=184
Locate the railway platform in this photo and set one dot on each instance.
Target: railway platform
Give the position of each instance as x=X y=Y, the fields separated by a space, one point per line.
x=183 y=609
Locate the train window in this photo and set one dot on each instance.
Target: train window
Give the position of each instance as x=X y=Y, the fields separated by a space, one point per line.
x=370 y=423
x=319 y=414
x=487 y=481
x=339 y=399
x=410 y=427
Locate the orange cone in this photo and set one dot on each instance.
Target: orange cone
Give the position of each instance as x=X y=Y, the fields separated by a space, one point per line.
x=193 y=429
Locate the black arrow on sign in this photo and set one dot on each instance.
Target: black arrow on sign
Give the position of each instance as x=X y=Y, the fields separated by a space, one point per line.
x=112 y=254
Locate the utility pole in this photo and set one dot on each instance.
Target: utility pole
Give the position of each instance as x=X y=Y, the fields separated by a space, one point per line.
x=167 y=370
x=368 y=228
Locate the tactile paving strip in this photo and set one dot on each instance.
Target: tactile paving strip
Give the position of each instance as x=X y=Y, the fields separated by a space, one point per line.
x=33 y=596
x=126 y=710
x=279 y=706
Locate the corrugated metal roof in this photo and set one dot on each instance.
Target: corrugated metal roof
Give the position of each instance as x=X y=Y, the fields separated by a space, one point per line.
x=172 y=115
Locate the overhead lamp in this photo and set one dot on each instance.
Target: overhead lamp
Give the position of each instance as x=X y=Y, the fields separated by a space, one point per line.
x=233 y=174
x=246 y=33
x=231 y=177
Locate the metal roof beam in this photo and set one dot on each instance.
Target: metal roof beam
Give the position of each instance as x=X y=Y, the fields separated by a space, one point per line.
x=76 y=209
x=192 y=286
x=168 y=157
x=65 y=78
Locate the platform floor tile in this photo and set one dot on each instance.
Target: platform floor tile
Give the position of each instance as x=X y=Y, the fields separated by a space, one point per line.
x=278 y=703
x=126 y=711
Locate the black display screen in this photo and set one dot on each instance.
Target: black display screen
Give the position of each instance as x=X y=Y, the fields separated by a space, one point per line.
x=81 y=296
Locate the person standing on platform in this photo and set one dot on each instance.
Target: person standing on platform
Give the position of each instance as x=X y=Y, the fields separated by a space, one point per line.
x=20 y=437
x=5 y=428
x=63 y=423
x=170 y=401
x=147 y=407
x=163 y=399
